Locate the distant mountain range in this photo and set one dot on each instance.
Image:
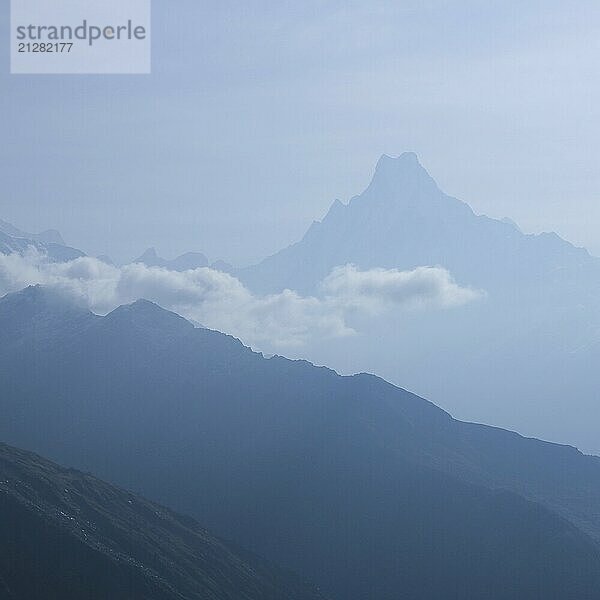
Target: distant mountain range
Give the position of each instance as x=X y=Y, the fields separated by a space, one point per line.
x=51 y=236
x=51 y=244
x=403 y=220
x=48 y=242
x=523 y=357
x=67 y=535
x=359 y=486
x=189 y=260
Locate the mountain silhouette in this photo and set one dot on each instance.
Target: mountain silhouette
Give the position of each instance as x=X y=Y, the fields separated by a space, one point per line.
x=50 y=236
x=185 y=262
x=522 y=357
x=357 y=485
x=403 y=220
x=49 y=243
x=189 y=260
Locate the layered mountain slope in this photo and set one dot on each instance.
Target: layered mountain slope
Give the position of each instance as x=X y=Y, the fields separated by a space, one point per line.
x=522 y=356
x=66 y=534
x=361 y=487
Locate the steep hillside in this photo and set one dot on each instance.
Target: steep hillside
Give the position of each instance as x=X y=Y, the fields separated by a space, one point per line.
x=65 y=534
x=357 y=485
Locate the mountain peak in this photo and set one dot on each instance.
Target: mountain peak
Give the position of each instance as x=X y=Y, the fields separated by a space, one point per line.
x=150 y=316
x=401 y=174
x=188 y=261
x=37 y=296
x=149 y=254
x=406 y=162
x=409 y=158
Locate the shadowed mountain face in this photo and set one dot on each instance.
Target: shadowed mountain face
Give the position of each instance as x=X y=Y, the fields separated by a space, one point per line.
x=359 y=486
x=523 y=356
x=66 y=534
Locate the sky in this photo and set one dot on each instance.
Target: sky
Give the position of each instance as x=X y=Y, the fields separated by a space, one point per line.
x=258 y=115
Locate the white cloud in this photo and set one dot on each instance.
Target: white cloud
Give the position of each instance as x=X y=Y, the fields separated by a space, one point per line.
x=377 y=290
x=220 y=301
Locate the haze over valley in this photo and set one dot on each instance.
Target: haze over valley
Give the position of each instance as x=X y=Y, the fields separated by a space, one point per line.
x=494 y=325
x=300 y=300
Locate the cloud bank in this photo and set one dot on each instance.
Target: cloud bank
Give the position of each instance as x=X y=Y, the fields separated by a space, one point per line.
x=378 y=290
x=220 y=301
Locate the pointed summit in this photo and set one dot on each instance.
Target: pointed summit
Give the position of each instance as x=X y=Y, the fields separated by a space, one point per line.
x=403 y=174
x=406 y=158
x=147 y=315
x=150 y=258
x=150 y=253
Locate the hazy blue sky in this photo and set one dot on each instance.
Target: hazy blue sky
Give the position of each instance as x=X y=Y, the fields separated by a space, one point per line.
x=259 y=114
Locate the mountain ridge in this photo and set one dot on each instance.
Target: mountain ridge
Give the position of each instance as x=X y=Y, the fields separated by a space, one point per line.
x=50 y=236
x=55 y=252
x=184 y=262
x=398 y=184
x=346 y=480
x=508 y=359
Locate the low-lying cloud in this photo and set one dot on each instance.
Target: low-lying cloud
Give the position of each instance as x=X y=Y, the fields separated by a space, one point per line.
x=377 y=290
x=220 y=301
